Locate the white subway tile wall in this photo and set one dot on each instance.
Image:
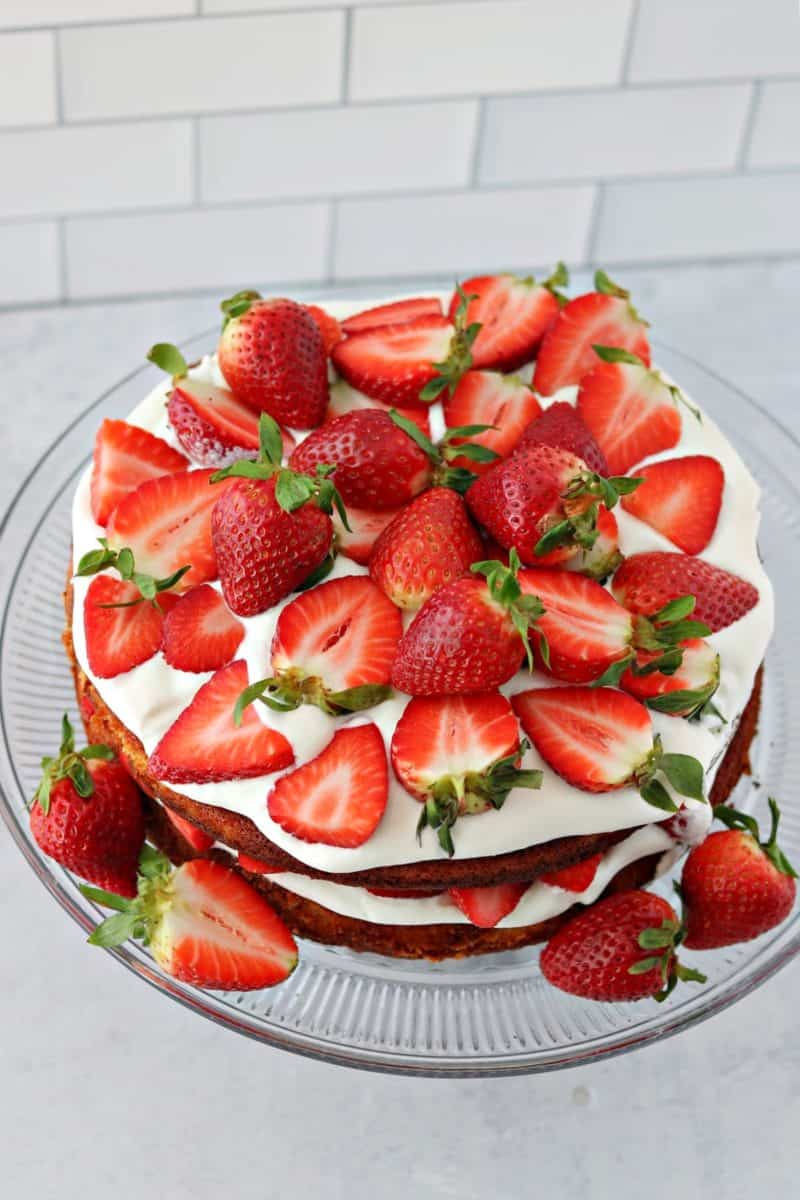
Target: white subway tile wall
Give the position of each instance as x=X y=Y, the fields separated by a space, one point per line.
x=150 y=146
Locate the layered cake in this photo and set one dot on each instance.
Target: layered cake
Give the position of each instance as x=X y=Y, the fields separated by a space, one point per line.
x=437 y=619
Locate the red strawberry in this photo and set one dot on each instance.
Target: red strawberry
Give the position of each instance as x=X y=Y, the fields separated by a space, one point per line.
x=471 y=636
x=513 y=313
x=646 y=582
x=121 y=628
x=682 y=693
x=87 y=814
x=204 y=745
x=488 y=398
x=576 y=878
x=329 y=327
x=562 y=426
x=345 y=399
x=200 y=634
x=485 y=906
x=428 y=544
x=272 y=355
x=622 y=948
x=197 y=838
x=394 y=363
x=124 y=457
x=458 y=754
x=734 y=886
x=542 y=499
x=631 y=410
x=255 y=866
x=681 y=498
x=400 y=312
x=378 y=466
x=205 y=926
x=213 y=427
x=599 y=739
x=333 y=647
x=166 y=522
x=603 y=317
x=339 y=797
x=366 y=527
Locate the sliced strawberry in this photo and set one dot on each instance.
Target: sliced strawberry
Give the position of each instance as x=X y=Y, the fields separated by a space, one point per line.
x=562 y=426
x=214 y=427
x=200 y=632
x=166 y=522
x=334 y=646
x=686 y=690
x=339 y=797
x=585 y=629
x=604 y=317
x=345 y=399
x=394 y=362
x=597 y=739
x=429 y=543
x=400 y=312
x=514 y=314
x=576 y=878
x=366 y=527
x=197 y=838
x=121 y=629
x=204 y=745
x=681 y=498
x=646 y=582
x=255 y=866
x=328 y=326
x=124 y=457
x=486 y=906
x=631 y=410
x=488 y=398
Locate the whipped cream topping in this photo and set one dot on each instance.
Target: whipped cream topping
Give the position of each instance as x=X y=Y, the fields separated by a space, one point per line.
x=151 y=696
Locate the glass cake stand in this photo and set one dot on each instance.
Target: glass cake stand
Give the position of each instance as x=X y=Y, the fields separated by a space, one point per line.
x=484 y=1016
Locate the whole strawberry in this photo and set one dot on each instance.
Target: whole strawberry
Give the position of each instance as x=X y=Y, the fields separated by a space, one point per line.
x=471 y=636
x=562 y=425
x=273 y=357
x=647 y=582
x=87 y=814
x=427 y=545
x=622 y=948
x=271 y=527
x=734 y=886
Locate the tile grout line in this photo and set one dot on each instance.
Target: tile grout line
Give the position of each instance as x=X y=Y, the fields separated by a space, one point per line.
x=196 y=164
x=478 y=134
x=627 y=50
x=347 y=46
x=330 y=249
x=58 y=77
x=62 y=264
x=748 y=129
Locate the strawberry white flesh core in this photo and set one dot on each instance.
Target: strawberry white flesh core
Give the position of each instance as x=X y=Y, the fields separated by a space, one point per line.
x=642 y=393
x=580 y=610
x=452 y=746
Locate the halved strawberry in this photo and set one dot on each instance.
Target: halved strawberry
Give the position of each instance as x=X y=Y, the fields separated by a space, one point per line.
x=400 y=312
x=576 y=878
x=124 y=457
x=339 y=797
x=393 y=363
x=204 y=745
x=328 y=326
x=121 y=628
x=428 y=544
x=214 y=427
x=562 y=425
x=486 y=906
x=345 y=399
x=457 y=755
x=603 y=317
x=631 y=410
x=599 y=739
x=681 y=498
x=358 y=541
x=646 y=582
x=514 y=314
x=200 y=632
x=488 y=398
x=167 y=523
x=204 y=924
x=333 y=647
x=584 y=627
x=197 y=838
x=686 y=690
x=602 y=559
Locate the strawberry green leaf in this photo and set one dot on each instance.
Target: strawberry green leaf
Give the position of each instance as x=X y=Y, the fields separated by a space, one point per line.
x=616 y=354
x=602 y=283
x=675 y=610
x=238 y=305
x=684 y=773
x=115 y=930
x=612 y=674
x=168 y=358
x=415 y=433
x=656 y=794
x=107 y=899
x=644 y=965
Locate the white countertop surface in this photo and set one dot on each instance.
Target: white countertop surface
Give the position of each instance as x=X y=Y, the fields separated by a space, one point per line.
x=109 y=1089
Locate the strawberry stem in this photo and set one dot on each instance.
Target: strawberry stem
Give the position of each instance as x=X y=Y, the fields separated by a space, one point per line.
x=459 y=354
x=284 y=693
x=237 y=305
x=137 y=917
x=69 y=764
x=124 y=563
x=523 y=609
x=457 y=478
x=734 y=819
x=684 y=774
x=666 y=939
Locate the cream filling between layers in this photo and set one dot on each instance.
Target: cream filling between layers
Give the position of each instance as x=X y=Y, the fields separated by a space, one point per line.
x=150 y=697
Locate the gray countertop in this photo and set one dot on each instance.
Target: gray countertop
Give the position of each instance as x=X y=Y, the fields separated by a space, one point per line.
x=110 y=1089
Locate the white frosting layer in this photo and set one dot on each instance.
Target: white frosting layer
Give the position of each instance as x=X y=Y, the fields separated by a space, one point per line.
x=150 y=697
